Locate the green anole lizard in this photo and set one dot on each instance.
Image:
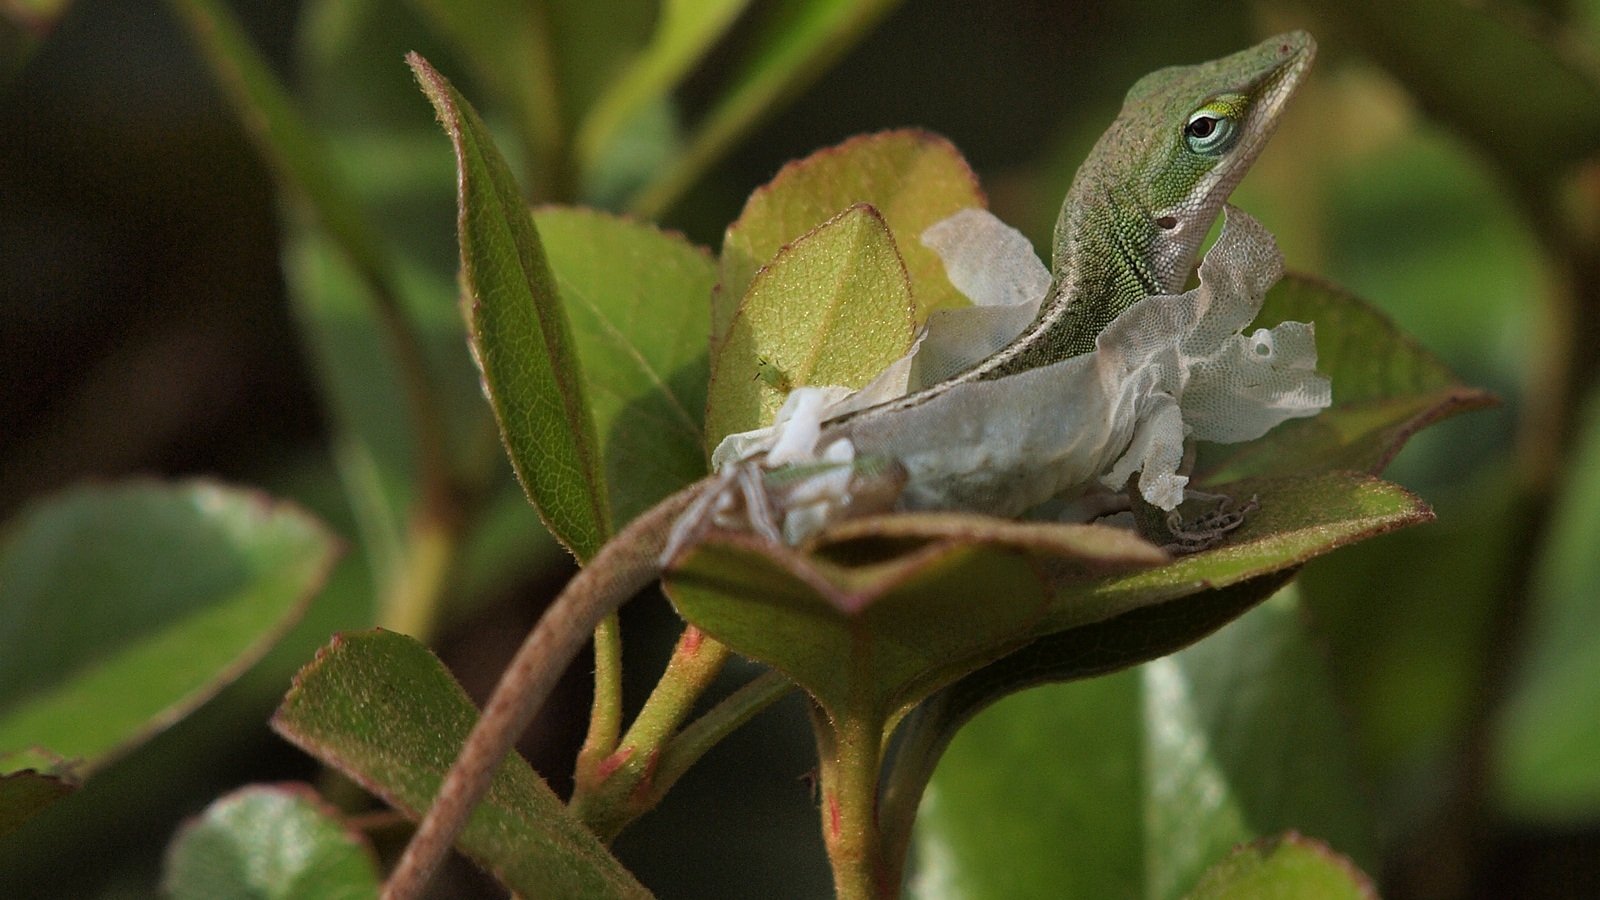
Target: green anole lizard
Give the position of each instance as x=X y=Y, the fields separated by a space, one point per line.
x=1131 y=226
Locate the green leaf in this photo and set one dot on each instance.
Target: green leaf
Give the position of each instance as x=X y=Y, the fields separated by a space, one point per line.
x=123 y=608
x=1385 y=389
x=685 y=31
x=912 y=178
x=889 y=631
x=520 y=333
x=1407 y=674
x=1546 y=108
x=637 y=298
x=25 y=794
x=791 y=43
x=264 y=842
x=1297 y=519
x=1549 y=734
x=1290 y=867
x=1130 y=785
x=896 y=607
x=1082 y=744
x=382 y=709
x=834 y=308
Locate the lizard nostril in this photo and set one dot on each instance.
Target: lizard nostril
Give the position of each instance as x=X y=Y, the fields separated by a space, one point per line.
x=1167 y=222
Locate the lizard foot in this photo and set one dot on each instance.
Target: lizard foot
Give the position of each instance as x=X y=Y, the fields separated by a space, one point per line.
x=1207 y=530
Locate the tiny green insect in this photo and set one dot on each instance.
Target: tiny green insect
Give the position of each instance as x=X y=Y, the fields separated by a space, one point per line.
x=768 y=373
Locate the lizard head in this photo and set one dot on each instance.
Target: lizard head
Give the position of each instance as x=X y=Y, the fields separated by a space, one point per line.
x=1185 y=137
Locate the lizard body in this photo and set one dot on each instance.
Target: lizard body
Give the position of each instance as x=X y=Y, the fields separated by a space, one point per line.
x=1140 y=205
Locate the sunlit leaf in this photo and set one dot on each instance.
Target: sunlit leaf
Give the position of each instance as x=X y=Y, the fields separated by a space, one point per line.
x=520 y=333
x=637 y=298
x=265 y=842
x=123 y=608
x=963 y=598
x=890 y=631
x=1290 y=867
x=834 y=308
x=1297 y=519
x=382 y=709
x=912 y=178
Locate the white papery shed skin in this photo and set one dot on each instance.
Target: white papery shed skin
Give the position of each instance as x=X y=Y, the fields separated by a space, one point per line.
x=1170 y=368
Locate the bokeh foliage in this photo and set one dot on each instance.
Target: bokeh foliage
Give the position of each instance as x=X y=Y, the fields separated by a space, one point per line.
x=1455 y=659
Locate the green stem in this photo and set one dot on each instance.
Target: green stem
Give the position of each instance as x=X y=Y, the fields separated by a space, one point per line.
x=849 y=753
x=923 y=740
x=410 y=600
x=605 y=714
x=612 y=791
x=624 y=566
x=792 y=57
x=721 y=720
x=305 y=174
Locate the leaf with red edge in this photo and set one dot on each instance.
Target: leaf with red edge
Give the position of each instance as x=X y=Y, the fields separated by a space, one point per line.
x=383 y=710
x=1386 y=388
x=1287 y=866
x=520 y=333
x=912 y=178
x=833 y=308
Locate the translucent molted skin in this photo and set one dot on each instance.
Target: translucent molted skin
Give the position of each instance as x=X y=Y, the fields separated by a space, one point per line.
x=1170 y=368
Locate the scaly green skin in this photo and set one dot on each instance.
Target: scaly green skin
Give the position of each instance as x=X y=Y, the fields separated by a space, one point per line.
x=1143 y=200
x=1132 y=223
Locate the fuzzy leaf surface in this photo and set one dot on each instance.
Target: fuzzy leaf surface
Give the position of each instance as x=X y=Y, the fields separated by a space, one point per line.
x=520 y=333
x=912 y=178
x=383 y=710
x=637 y=298
x=833 y=308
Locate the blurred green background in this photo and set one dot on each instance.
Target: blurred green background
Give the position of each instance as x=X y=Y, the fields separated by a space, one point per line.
x=149 y=271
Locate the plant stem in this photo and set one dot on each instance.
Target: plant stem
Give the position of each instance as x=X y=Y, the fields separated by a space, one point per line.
x=615 y=789
x=605 y=713
x=721 y=720
x=849 y=753
x=626 y=564
x=784 y=69
x=410 y=601
x=926 y=733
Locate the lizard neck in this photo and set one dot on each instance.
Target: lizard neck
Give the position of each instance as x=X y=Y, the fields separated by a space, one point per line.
x=1104 y=262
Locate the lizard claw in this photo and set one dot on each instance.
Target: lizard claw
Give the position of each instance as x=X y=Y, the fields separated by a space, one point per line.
x=1207 y=530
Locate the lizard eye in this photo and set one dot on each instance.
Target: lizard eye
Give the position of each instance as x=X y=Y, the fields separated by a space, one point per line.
x=1213 y=128
x=1209 y=133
